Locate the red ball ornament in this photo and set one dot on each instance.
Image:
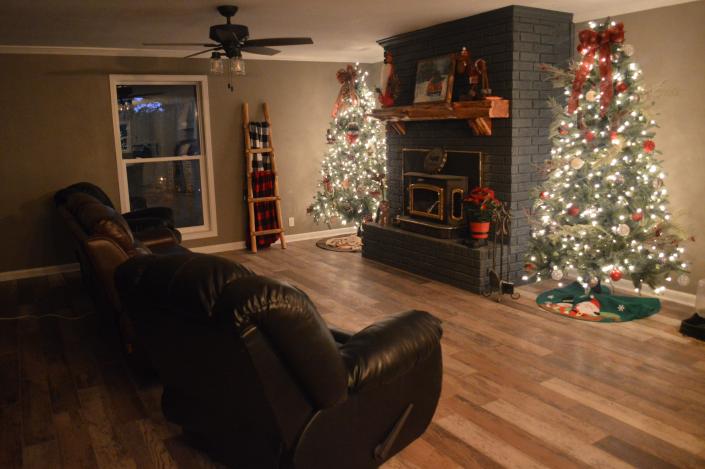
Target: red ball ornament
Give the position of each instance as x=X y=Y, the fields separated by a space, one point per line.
x=574 y=211
x=613 y=135
x=649 y=146
x=621 y=87
x=616 y=275
x=637 y=216
x=589 y=135
x=529 y=267
x=543 y=195
x=563 y=131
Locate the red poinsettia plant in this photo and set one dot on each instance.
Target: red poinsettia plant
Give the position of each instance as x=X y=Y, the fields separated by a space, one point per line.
x=481 y=204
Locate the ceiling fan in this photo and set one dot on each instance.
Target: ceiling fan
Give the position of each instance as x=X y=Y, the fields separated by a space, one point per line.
x=233 y=39
x=230 y=40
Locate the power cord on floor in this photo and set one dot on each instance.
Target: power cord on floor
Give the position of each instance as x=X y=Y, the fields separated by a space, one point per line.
x=50 y=315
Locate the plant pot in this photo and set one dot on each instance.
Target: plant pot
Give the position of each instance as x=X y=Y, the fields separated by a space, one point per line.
x=479 y=229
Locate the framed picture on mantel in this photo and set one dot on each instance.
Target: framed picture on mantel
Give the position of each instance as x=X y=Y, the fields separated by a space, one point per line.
x=434 y=79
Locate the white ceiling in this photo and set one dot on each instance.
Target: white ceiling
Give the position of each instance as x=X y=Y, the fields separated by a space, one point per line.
x=342 y=30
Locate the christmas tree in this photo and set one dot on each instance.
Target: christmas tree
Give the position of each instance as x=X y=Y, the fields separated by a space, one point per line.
x=602 y=210
x=353 y=172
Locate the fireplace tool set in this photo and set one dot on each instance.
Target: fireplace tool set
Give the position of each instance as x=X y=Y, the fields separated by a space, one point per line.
x=499 y=283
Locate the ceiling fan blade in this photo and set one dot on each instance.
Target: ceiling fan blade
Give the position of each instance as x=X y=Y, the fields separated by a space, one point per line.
x=279 y=41
x=260 y=50
x=202 y=52
x=178 y=44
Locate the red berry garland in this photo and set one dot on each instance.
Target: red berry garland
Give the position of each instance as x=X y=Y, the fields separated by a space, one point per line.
x=649 y=146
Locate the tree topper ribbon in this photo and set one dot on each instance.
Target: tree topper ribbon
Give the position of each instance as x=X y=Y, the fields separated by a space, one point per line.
x=591 y=42
x=346 y=77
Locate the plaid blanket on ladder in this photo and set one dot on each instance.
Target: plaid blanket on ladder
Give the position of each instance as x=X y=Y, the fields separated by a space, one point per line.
x=262 y=185
x=259 y=138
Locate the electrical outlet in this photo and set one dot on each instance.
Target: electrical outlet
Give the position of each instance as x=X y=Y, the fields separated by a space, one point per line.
x=291 y=221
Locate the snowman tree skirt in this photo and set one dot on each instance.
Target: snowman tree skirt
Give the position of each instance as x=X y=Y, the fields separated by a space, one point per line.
x=572 y=301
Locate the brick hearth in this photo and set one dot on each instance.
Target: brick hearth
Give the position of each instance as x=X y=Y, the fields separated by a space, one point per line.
x=514 y=41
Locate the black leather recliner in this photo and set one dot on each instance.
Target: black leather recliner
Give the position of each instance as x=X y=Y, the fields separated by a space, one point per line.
x=138 y=220
x=103 y=240
x=253 y=374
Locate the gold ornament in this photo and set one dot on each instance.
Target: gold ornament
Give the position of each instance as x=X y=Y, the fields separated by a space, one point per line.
x=628 y=50
x=577 y=163
x=623 y=229
x=591 y=96
x=593 y=282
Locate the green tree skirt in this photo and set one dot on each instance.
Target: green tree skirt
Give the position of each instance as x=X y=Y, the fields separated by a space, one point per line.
x=571 y=301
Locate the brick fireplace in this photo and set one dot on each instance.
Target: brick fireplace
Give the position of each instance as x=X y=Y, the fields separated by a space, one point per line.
x=514 y=41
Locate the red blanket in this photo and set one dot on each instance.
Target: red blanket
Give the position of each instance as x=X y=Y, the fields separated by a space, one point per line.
x=265 y=212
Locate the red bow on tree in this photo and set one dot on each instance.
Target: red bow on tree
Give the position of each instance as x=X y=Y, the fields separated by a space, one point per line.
x=591 y=42
x=346 y=78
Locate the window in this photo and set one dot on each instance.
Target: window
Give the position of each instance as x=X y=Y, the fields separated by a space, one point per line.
x=163 y=149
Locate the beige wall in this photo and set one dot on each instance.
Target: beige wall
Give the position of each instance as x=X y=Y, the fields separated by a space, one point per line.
x=670 y=47
x=56 y=129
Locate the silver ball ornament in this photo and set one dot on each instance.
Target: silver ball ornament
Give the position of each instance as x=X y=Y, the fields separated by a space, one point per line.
x=683 y=280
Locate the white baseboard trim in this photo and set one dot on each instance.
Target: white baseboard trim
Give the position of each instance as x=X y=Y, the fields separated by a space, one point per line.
x=625 y=286
x=239 y=245
x=215 y=248
x=208 y=249
x=675 y=296
x=318 y=234
x=39 y=271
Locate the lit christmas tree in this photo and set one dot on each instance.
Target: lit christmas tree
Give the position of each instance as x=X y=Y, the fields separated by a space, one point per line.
x=603 y=209
x=353 y=172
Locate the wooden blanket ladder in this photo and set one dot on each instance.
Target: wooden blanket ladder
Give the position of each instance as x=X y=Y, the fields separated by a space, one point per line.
x=250 y=151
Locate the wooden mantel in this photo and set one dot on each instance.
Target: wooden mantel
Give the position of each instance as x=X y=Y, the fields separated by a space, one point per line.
x=479 y=114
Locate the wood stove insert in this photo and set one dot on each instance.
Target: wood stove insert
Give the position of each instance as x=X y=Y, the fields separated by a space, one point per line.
x=433 y=202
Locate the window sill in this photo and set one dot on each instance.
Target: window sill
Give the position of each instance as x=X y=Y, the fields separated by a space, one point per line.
x=197 y=234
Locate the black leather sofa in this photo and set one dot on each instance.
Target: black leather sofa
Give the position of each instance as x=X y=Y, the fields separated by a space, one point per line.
x=256 y=378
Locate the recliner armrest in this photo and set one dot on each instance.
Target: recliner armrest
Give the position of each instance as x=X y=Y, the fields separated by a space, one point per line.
x=388 y=349
x=146 y=223
x=163 y=213
x=157 y=236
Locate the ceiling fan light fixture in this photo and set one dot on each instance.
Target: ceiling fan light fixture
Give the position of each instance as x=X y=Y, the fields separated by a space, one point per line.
x=216 y=64
x=237 y=66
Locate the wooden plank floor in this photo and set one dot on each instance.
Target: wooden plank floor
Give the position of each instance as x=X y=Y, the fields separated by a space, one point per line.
x=522 y=387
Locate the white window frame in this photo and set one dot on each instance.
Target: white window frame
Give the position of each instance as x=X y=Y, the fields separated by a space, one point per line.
x=209 y=228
